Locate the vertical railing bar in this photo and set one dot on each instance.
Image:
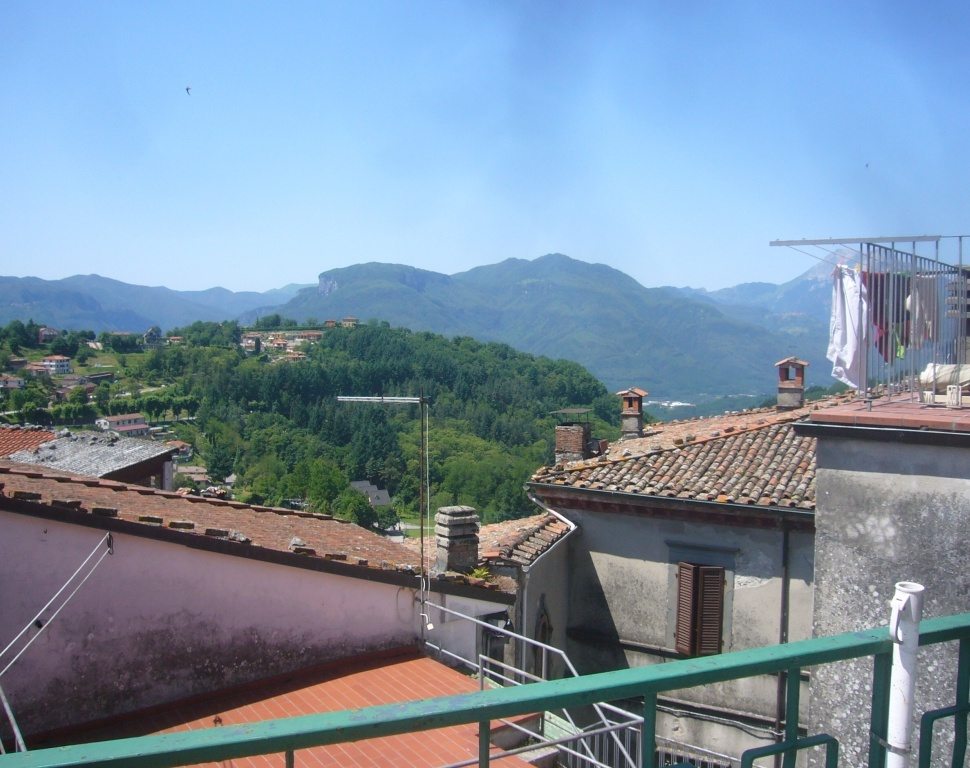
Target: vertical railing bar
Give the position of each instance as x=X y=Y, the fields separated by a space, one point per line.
x=962 y=701
x=484 y=742
x=290 y=761
x=648 y=736
x=879 y=711
x=792 y=701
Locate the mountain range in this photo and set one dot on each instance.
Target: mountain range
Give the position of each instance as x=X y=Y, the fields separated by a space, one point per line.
x=675 y=342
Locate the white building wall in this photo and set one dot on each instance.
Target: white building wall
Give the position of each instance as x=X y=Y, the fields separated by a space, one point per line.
x=159 y=621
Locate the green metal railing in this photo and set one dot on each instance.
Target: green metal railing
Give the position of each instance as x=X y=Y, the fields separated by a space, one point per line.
x=289 y=735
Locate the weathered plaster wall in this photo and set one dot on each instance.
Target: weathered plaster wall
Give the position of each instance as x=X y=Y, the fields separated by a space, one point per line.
x=623 y=589
x=453 y=633
x=887 y=512
x=159 y=621
x=545 y=589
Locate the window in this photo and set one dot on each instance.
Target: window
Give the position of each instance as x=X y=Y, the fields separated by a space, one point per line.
x=700 y=609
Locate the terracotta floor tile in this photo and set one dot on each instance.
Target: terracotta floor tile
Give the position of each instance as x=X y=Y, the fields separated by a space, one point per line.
x=407 y=678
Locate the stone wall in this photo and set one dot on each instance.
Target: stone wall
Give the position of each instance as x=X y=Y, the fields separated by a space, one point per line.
x=887 y=511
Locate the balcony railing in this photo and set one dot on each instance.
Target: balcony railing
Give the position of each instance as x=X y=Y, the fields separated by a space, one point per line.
x=289 y=735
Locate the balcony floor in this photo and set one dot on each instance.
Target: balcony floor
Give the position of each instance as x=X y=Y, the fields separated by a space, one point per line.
x=349 y=685
x=901 y=412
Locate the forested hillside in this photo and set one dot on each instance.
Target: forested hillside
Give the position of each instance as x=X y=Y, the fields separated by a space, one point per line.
x=277 y=424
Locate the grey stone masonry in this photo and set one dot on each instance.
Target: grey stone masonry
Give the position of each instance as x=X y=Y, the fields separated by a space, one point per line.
x=456 y=535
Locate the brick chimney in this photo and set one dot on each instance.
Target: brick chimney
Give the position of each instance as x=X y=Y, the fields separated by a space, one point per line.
x=631 y=412
x=572 y=442
x=791 y=383
x=456 y=536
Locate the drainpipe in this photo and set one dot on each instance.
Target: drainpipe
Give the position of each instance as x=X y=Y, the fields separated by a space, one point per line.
x=907 y=610
x=780 y=701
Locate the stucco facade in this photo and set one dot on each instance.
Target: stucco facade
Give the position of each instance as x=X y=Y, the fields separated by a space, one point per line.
x=622 y=602
x=893 y=505
x=157 y=622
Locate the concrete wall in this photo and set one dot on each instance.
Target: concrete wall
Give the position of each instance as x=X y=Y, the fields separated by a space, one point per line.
x=544 y=590
x=887 y=512
x=159 y=621
x=622 y=606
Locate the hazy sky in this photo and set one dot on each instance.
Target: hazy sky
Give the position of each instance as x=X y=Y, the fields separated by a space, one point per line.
x=669 y=140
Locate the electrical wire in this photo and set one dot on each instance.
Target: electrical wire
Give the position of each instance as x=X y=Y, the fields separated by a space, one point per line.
x=110 y=550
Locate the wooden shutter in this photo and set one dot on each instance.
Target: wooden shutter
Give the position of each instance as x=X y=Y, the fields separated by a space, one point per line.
x=700 y=609
x=710 y=610
x=686 y=588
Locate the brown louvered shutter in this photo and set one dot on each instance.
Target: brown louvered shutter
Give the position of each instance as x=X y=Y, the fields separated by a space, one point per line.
x=686 y=588
x=710 y=609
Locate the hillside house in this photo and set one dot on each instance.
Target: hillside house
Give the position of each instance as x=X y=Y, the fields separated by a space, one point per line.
x=153 y=338
x=45 y=335
x=126 y=424
x=56 y=365
x=11 y=382
x=106 y=456
x=378 y=497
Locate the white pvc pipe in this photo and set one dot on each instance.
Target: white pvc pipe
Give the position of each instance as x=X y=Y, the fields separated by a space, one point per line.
x=907 y=610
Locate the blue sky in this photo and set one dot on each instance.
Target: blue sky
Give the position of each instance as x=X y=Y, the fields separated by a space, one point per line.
x=669 y=140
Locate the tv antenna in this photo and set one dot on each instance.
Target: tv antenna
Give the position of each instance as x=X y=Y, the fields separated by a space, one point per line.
x=424 y=502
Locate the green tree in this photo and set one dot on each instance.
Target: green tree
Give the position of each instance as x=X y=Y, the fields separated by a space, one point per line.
x=352 y=505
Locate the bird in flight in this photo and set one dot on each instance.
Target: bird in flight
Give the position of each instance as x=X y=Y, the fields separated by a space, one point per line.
x=188 y=90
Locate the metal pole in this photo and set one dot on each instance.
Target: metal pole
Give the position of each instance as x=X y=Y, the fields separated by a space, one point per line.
x=907 y=610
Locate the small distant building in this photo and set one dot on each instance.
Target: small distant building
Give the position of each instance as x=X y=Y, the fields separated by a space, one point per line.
x=349 y=322
x=174 y=341
x=125 y=459
x=127 y=424
x=152 y=338
x=46 y=335
x=11 y=382
x=329 y=323
x=36 y=369
x=57 y=365
x=308 y=337
x=183 y=450
x=378 y=497
x=16 y=363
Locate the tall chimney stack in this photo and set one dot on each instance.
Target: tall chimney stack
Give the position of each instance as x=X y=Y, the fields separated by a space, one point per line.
x=631 y=412
x=791 y=383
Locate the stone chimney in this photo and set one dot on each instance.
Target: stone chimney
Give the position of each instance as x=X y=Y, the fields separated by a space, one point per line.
x=791 y=383
x=456 y=536
x=631 y=412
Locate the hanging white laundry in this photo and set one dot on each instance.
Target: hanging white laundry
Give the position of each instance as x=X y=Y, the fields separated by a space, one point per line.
x=924 y=306
x=848 y=324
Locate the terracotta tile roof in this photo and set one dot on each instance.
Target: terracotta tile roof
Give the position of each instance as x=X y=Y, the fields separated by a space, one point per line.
x=93 y=453
x=13 y=439
x=520 y=541
x=267 y=528
x=753 y=457
x=350 y=684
